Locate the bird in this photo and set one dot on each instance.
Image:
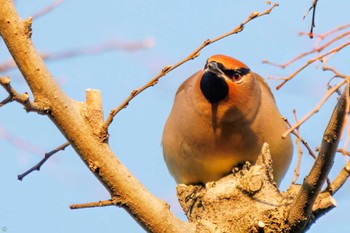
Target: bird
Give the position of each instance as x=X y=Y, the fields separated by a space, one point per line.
x=220 y=118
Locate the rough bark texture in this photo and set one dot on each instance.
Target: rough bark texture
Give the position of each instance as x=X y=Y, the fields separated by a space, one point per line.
x=80 y=124
x=245 y=201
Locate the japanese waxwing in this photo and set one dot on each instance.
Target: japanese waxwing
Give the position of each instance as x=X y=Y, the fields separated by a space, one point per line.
x=221 y=117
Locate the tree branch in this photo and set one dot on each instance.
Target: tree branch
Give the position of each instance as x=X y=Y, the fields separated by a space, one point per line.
x=23 y=99
x=304 y=54
x=301 y=209
x=316 y=109
x=169 y=68
x=76 y=123
x=309 y=62
x=46 y=157
x=110 y=202
x=47 y=9
x=108 y=46
x=313 y=8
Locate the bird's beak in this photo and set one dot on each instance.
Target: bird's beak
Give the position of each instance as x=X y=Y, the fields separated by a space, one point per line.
x=213 y=68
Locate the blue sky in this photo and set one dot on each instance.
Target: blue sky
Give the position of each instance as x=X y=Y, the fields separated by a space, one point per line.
x=40 y=202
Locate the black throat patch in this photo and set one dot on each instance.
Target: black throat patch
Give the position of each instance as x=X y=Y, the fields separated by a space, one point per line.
x=213 y=88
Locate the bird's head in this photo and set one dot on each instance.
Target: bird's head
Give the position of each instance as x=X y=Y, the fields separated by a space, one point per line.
x=229 y=83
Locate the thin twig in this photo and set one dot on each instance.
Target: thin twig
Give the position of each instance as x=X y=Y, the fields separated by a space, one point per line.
x=309 y=62
x=108 y=46
x=300 y=151
x=325 y=35
x=46 y=157
x=169 y=68
x=316 y=109
x=23 y=99
x=304 y=54
x=313 y=8
x=110 y=202
x=299 y=139
x=13 y=95
x=305 y=143
x=104 y=47
x=47 y=9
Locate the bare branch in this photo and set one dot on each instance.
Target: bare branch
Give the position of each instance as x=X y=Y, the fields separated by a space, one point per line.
x=110 y=202
x=313 y=8
x=341 y=178
x=301 y=208
x=316 y=109
x=309 y=62
x=325 y=35
x=304 y=54
x=72 y=119
x=300 y=152
x=169 y=68
x=47 y=9
x=326 y=201
x=104 y=47
x=23 y=99
x=325 y=97
x=296 y=133
x=13 y=94
x=46 y=157
x=113 y=45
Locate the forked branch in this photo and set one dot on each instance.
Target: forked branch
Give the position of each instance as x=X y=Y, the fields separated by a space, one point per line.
x=301 y=209
x=23 y=99
x=309 y=62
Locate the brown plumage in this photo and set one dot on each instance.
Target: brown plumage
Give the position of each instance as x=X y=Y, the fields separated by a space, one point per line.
x=221 y=117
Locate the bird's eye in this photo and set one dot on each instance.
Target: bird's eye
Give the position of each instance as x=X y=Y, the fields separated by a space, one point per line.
x=235 y=75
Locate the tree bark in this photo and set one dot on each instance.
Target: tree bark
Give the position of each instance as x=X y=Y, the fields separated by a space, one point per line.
x=80 y=123
x=245 y=201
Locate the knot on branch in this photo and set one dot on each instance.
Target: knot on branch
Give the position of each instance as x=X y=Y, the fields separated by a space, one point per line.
x=252 y=184
x=330 y=138
x=28 y=27
x=94 y=167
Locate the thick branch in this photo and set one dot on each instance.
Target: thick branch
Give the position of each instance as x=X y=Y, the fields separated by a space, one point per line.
x=74 y=121
x=302 y=207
